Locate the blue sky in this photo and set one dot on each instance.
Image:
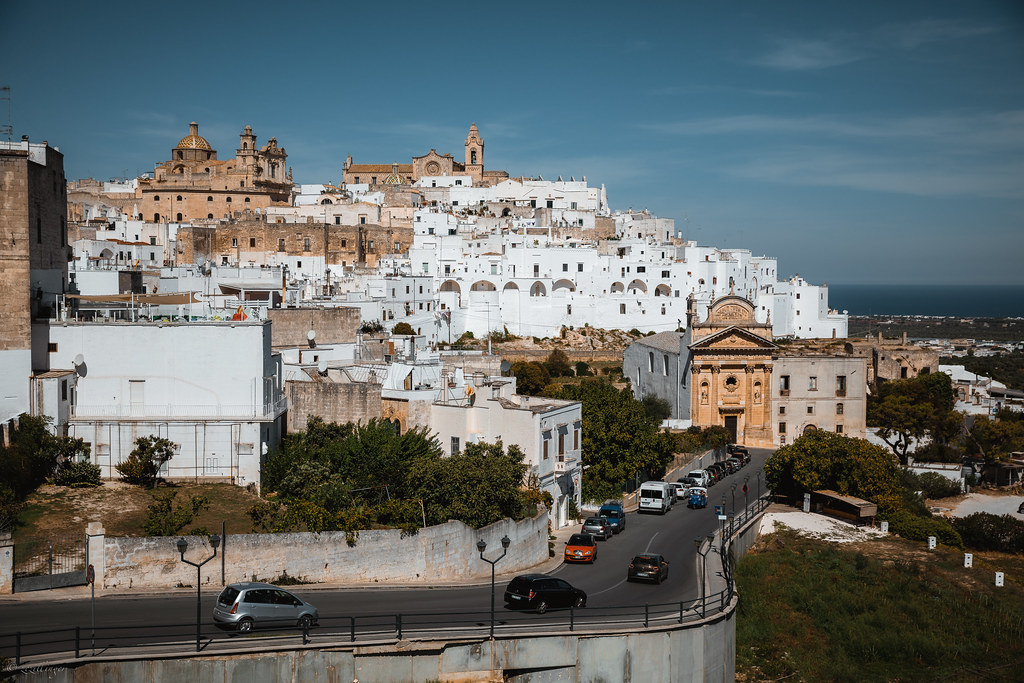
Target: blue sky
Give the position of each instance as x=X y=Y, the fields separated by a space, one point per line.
x=857 y=142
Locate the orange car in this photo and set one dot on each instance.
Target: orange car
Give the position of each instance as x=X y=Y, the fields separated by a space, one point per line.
x=581 y=548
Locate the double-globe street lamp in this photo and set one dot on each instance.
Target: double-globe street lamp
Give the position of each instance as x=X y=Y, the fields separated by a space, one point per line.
x=481 y=545
x=182 y=547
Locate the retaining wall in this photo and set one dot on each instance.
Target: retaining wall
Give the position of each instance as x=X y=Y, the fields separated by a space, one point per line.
x=444 y=552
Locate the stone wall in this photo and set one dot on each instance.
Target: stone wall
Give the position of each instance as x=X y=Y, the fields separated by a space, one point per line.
x=333 y=402
x=332 y=325
x=444 y=552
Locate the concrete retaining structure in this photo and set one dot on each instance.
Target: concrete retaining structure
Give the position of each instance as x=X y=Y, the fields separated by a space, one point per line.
x=443 y=552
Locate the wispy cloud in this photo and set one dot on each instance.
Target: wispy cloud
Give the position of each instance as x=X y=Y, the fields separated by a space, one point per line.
x=804 y=55
x=845 y=47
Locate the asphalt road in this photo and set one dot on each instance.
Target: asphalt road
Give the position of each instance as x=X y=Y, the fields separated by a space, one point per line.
x=440 y=607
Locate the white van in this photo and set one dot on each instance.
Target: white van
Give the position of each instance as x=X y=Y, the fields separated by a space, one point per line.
x=655 y=496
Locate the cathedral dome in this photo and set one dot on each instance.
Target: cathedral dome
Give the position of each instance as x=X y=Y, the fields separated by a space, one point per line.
x=193 y=140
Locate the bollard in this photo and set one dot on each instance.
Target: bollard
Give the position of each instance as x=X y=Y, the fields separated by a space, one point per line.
x=968 y=560
x=885 y=526
x=572 y=617
x=305 y=632
x=647 y=614
x=999 y=579
x=931 y=543
x=398 y=625
x=78 y=640
x=353 y=625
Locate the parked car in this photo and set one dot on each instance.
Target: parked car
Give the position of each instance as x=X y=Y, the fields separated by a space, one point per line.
x=733 y=465
x=689 y=482
x=245 y=606
x=735 y=448
x=648 y=567
x=720 y=469
x=698 y=497
x=654 y=496
x=681 y=489
x=702 y=476
x=600 y=527
x=540 y=592
x=615 y=514
x=581 y=548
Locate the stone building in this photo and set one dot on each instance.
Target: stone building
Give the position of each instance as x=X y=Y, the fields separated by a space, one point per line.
x=194 y=184
x=430 y=164
x=34 y=256
x=893 y=358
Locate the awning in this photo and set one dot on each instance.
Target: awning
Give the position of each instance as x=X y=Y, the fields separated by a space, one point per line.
x=170 y=298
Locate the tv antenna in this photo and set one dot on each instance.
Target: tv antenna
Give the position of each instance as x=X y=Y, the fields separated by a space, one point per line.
x=8 y=128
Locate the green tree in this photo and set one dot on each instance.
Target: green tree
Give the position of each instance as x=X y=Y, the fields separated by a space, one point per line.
x=557 y=364
x=403 y=328
x=995 y=439
x=142 y=466
x=907 y=410
x=583 y=369
x=823 y=460
x=163 y=518
x=531 y=377
x=657 y=409
x=619 y=439
x=480 y=485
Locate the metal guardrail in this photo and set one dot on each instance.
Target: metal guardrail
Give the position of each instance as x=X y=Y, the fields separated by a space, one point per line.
x=38 y=647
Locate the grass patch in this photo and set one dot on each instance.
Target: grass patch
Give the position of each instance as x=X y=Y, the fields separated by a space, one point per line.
x=885 y=611
x=121 y=508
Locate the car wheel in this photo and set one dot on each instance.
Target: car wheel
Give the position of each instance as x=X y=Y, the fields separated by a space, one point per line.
x=580 y=601
x=305 y=621
x=657 y=579
x=245 y=625
x=542 y=607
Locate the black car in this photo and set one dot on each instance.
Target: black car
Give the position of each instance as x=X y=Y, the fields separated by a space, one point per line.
x=539 y=592
x=735 y=448
x=648 y=567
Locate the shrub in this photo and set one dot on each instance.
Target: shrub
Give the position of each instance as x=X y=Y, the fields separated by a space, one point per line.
x=164 y=519
x=932 y=485
x=403 y=329
x=142 y=467
x=915 y=528
x=77 y=474
x=583 y=369
x=985 y=531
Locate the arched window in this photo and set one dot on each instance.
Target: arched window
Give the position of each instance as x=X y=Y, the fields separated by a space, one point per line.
x=245 y=145
x=704 y=393
x=228 y=200
x=156 y=198
x=179 y=198
x=210 y=198
x=472 y=157
x=209 y=215
x=246 y=200
x=650 y=362
x=156 y=218
x=179 y=217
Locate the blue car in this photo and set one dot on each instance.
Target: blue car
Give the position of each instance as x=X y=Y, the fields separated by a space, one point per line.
x=698 y=497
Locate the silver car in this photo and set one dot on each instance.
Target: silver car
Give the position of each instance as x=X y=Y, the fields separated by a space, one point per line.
x=244 y=606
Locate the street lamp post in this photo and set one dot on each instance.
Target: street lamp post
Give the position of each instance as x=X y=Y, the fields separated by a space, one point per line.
x=746 y=497
x=759 y=484
x=182 y=547
x=734 y=499
x=481 y=545
x=704 y=573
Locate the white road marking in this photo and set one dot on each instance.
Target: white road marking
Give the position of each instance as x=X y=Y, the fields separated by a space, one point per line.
x=648 y=548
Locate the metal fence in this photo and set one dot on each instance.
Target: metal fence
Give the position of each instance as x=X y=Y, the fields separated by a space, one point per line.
x=42 y=562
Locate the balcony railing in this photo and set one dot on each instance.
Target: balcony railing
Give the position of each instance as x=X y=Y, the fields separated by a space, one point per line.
x=179 y=411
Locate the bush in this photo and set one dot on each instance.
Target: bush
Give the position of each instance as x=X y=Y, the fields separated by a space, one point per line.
x=142 y=467
x=583 y=369
x=77 y=474
x=164 y=519
x=985 y=531
x=931 y=485
x=403 y=329
x=915 y=528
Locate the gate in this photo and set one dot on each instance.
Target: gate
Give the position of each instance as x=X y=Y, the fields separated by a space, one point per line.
x=44 y=562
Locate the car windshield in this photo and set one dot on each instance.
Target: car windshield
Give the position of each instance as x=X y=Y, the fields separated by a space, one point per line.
x=609 y=512
x=581 y=539
x=595 y=521
x=645 y=561
x=228 y=595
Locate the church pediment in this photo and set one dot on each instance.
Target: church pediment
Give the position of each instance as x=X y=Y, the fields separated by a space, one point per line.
x=733 y=338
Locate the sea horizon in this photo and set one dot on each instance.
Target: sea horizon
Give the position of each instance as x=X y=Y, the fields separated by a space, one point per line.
x=978 y=301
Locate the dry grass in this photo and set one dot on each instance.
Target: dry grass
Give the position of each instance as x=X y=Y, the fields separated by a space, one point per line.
x=121 y=508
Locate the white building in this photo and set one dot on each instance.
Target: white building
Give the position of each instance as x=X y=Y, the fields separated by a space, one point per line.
x=213 y=388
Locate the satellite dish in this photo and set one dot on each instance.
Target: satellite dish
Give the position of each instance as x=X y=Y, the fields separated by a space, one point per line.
x=505 y=366
x=79 y=359
x=321 y=367
x=311 y=335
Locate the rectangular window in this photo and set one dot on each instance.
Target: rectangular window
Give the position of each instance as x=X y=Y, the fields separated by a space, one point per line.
x=565 y=267
x=561 y=443
x=839 y=409
x=234 y=242
x=458 y=182
x=579 y=267
x=398 y=246
x=536 y=270
x=407 y=289
x=64 y=390
x=362 y=220
x=666 y=274
x=782 y=410
x=344 y=243
x=298 y=264
x=840 y=385
x=784 y=385
x=421 y=289
x=280 y=244
x=572 y=205
x=447 y=270
x=455 y=203
x=252 y=241
x=455 y=445
x=568 y=309
x=494 y=269
x=426 y=267
x=371 y=245
x=152 y=256
x=373 y=180
x=622 y=309
x=575 y=439
x=223 y=260
x=51 y=347
x=839 y=429
x=305 y=244
x=812 y=383
x=152 y=241
x=665 y=363
x=545 y=449
x=533 y=203
x=650 y=362
x=810 y=410
x=337 y=220
x=782 y=428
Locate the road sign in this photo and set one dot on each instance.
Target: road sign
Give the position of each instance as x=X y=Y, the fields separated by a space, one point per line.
x=90 y=574
x=744 y=488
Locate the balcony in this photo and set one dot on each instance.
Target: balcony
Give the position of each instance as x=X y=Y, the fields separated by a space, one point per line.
x=564 y=463
x=182 y=411
x=783 y=392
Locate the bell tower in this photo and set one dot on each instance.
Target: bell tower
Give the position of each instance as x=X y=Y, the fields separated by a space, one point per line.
x=475 y=154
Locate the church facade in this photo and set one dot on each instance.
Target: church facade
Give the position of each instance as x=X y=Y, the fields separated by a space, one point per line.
x=430 y=164
x=194 y=184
